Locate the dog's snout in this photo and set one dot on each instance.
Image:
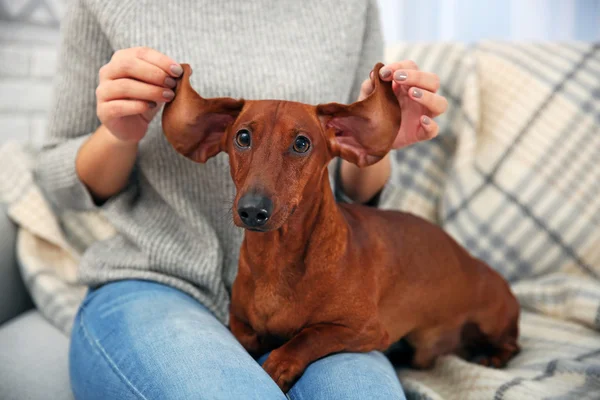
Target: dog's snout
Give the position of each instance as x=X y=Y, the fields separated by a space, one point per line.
x=254 y=210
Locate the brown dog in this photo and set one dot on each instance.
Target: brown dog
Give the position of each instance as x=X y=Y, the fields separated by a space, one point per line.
x=316 y=277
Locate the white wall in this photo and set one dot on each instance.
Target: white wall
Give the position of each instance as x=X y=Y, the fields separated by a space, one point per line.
x=471 y=20
x=28 y=42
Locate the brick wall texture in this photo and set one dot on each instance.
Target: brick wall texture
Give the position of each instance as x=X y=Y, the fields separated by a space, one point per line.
x=29 y=33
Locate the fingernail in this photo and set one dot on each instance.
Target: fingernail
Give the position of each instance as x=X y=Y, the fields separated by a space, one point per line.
x=426 y=120
x=168 y=94
x=385 y=73
x=170 y=82
x=176 y=69
x=151 y=104
x=417 y=93
x=400 y=76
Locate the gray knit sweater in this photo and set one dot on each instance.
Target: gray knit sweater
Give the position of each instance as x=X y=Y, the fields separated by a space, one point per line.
x=173 y=219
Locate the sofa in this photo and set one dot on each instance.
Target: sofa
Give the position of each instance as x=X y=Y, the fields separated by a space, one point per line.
x=33 y=353
x=514 y=176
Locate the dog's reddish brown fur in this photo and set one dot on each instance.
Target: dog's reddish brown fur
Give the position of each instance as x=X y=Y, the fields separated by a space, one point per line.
x=322 y=277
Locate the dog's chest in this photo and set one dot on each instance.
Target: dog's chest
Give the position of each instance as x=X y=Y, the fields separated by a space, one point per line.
x=275 y=313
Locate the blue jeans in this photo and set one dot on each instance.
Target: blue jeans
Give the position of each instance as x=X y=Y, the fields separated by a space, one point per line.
x=143 y=340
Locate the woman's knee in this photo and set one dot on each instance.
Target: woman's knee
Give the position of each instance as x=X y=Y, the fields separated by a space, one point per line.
x=107 y=335
x=140 y=339
x=349 y=376
x=91 y=373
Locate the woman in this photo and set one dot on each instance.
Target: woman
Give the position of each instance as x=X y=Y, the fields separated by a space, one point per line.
x=153 y=325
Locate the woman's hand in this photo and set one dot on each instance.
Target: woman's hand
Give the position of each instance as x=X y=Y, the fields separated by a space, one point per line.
x=416 y=93
x=133 y=86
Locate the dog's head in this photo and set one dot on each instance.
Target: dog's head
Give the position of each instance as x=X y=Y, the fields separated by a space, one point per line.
x=279 y=150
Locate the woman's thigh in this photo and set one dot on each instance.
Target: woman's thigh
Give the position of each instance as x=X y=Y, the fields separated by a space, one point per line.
x=348 y=376
x=143 y=340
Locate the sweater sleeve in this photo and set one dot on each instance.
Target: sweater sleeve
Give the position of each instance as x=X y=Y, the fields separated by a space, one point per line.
x=72 y=118
x=371 y=53
x=372 y=50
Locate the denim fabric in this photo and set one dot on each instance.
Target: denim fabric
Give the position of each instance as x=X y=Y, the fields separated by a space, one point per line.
x=143 y=340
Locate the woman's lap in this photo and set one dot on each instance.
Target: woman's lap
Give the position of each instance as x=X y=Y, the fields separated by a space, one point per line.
x=143 y=340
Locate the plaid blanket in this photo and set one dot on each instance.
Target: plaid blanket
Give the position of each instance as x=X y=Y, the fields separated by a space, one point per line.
x=49 y=244
x=514 y=176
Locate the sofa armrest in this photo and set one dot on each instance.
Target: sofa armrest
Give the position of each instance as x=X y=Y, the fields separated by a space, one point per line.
x=14 y=298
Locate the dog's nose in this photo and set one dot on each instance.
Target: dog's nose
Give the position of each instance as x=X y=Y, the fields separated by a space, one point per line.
x=255 y=210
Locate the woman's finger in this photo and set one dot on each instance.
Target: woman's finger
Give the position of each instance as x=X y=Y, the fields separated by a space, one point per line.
x=387 y=71
x=427 y=129
x=430 y=128
x=151 y=56
x=365 y=89
x=136 y=68
x=131 y=89
x=160 y=60
x=424 y=80
x=435 y=103
x=122 y=108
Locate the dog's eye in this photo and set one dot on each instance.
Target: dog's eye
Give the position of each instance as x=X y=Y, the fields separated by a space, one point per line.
x=242 y=138
x=301 y=144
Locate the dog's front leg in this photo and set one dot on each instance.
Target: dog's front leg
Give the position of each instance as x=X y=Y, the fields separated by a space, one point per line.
x=287 y=363
x=248 y=338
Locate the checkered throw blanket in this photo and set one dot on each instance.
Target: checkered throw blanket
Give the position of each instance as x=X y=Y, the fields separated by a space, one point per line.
x=514 y=176
x=49 y=244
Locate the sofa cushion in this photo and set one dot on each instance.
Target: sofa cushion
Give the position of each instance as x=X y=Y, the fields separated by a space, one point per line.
x=14 y=298
x=33 y=360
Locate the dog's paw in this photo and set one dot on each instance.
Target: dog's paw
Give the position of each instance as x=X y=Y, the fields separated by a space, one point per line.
x=500 y=357
x=285 y=371
x=490 y=361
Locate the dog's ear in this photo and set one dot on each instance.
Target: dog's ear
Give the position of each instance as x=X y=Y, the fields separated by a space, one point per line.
x=364 y=130
x=195 y=126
